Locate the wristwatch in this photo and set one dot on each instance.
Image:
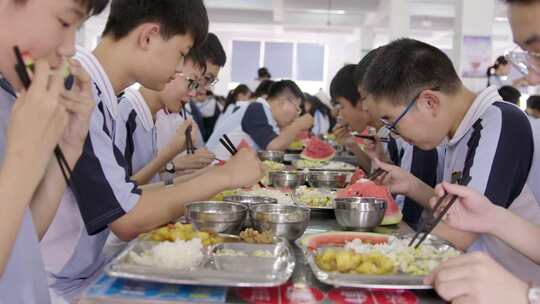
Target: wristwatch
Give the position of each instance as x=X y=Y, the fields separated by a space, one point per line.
x=534 y=294
x=169 y=167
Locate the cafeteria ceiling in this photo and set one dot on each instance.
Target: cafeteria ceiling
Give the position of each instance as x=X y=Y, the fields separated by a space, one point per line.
x=426 y=15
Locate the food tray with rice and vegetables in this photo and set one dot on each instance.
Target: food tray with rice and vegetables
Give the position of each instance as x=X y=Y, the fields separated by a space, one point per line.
x=314 y=165
x=370 y=260
x=177 y=254
x=317 y=199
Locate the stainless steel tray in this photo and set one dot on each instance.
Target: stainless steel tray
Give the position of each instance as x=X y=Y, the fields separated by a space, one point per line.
x=395 y=281
x=322 y=168
x=398 y=281
x=329 y=209
x=215 y=270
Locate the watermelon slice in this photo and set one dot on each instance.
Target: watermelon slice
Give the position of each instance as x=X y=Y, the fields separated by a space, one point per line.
x=367 y=188
x=358 y=174
x=318 y=150
x=314 y=241
x=243 y=145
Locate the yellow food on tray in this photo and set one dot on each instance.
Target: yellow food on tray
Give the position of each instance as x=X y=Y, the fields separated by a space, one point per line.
x=296 y=145
x=347 y=261
x=220 y=196
x=183 y=232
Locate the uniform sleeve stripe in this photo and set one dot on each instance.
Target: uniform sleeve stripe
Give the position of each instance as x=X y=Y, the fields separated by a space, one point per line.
x=513 y=157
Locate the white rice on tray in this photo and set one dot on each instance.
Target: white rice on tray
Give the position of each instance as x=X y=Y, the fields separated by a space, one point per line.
x=408 y=260
x=177 y=255
x=282 y=197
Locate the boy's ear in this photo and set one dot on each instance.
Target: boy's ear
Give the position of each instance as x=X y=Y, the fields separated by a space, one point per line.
x=430 y=101
x=147 y=33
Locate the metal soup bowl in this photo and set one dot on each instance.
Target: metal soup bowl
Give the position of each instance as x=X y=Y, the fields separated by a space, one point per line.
x=286 y=221
x=275 y=156
x=359 y=213
x=286 y=179
x=217 y=217
x=327 y=179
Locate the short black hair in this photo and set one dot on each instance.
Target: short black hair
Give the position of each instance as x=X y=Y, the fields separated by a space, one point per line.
x=197 y=57
x=533 y=102
x=176 y=17
x=213 y=50
x=233 y=95
x=364 y=64
x=263 y=88
x=278 y=88
x=263 y=73
x=405 y=66
x=343 y=85
x=93 y=7
x=510 y=94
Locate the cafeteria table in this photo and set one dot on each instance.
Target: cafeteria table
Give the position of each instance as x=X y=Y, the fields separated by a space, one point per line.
x=303 y=280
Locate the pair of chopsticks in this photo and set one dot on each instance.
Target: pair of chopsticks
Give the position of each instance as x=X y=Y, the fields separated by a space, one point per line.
x=375 y=174
x=189 y=141
x=229 y=146
x=371 y=138
x=24 y=77
x=438 y=205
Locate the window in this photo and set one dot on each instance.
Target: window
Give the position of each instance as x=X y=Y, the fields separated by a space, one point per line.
x=302 y=62
x=278 y=58
x=310 y=62
x=245 y=60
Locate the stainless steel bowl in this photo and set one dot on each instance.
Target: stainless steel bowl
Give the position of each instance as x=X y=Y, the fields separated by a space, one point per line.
x=284 y=221
x=359 y=213
x=327 y=179
x=249 y=200
x=275 y=156
x=286 y=179
x=217 y=217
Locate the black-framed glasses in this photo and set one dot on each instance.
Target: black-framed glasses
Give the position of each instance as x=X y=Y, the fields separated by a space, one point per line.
x=392 y=126
x=193 y=84
x=210 y=81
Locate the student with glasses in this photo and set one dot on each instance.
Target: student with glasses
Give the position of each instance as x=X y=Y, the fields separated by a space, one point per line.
x=474 y=212
x=270 y=124
x=418 y=95
x=139 y=139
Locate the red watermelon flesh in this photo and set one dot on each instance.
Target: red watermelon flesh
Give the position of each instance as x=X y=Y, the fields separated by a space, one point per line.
x=367 y=188
x=358 y=174
x=318 y=150
x=339 y=239
x=243 y=145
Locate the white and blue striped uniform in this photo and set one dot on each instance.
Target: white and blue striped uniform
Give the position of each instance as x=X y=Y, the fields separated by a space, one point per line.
x=24 y=279
x=138 y=140
x=168 y=123
x=321 y=124
x=73 y=246
x=428 y=166
x=252 y=122
x=495 y=145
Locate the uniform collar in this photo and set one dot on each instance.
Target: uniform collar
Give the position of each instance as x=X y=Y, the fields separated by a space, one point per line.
x=481 y=103
x=91 y=64
x=141 y=107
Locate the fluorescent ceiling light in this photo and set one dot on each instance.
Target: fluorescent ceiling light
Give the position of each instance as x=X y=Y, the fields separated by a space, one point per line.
x=322 y=11
x=501 y=19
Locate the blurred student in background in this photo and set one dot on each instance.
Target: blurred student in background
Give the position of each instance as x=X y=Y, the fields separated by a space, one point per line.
x=510 y=94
